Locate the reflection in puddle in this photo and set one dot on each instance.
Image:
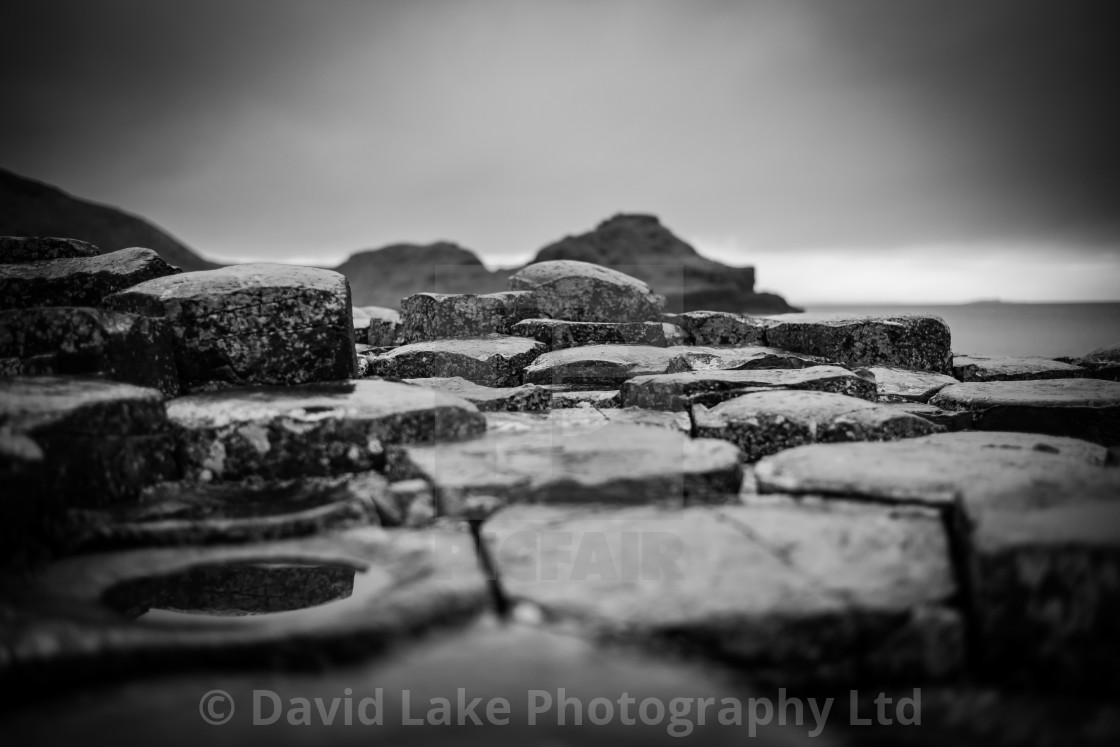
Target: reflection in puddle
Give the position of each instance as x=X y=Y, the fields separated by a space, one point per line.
x=228 y=591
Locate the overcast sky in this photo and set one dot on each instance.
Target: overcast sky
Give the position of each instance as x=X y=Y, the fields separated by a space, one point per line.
x=853 y=150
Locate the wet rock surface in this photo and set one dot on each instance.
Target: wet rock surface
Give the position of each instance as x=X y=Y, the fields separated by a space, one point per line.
x=765 y=423
x=252 y=324
x=565 y=397
x=437 y=316
x=493 y=361
x=191 y=513
x=903 y=385
x=1081 y=408
x=16 y=249
x=976 y=471
x=1005 y=368
x=564 y=419
x=719 y=328
x=311 y=430
x=77 y=281
x=558 y=334
x=332 y=597
x=376 y=325
x=950 y=420
x=680 y=390
x=584 y=292
x=607 y=463
x=489 y=399
x=81 y=340
x=914 y=342
x=101 y=441
x=835 y=591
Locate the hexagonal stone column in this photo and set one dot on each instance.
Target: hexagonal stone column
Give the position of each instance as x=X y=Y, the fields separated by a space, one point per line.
x=678 y=391
x=254 y=323
x=101 y=441
x=558 y=334
x=765 y=423
x=313 y=429
x=1081 y=408
x=79 y=340
x=906 y=341
x=585 y=292
x=489 y=361
x=1007 y=368
x=79 y=280
x=805 y=593
x=439 y=316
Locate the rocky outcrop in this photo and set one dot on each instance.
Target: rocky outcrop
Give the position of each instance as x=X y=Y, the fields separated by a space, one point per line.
x=639 y=245
x=311 y=430
x=915 y=342
x=584 y=292
x=78 y=281
x=80 y=340
x=18 y=249
x=1102 y=363
x=31 y=208
x=903 y=385
x=489 y=361
x=439 y=316
x=765 y=423
x=252 y=324
x=382 y=277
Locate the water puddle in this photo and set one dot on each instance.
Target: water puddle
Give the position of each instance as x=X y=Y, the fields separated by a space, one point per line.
x=245 y=592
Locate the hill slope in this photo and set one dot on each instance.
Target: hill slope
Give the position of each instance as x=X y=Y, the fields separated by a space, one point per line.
x=31 y=208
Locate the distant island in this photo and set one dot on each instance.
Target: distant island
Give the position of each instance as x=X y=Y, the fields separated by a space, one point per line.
x=637 y=244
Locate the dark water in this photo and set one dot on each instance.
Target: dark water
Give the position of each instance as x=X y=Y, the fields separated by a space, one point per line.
x=1049 y=330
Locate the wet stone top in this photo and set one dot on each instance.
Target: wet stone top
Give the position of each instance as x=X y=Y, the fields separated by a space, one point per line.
x=1045 y=393
x=72 y=404
x=357 y=399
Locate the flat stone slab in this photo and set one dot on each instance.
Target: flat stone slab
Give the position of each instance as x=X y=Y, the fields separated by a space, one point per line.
x=971 y=470
x=558 y=334
x=376 y=325
x=333 y=598
x=609 y=464
x=679 y=390
x=102 y=441
x=1046 y=587
x=17 y=249
x=313 y=429
x=765 y=423
x=609 y=366
x=585 y=292
x=820 y=593
x=1081 y=408
x=77 y=281
x=563 y=397
x=438 y=316
x=525 y=398
x=253 y=323
x=904 y=341
x=490 y=361
x=904 y=385
x=1006 y=368
x=950 y=420
x=565 y=419
x=191 y=513
x=86 y=341
x=719 y=328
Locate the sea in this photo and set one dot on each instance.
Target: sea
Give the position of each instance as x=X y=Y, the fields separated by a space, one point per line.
x=1049 y=330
